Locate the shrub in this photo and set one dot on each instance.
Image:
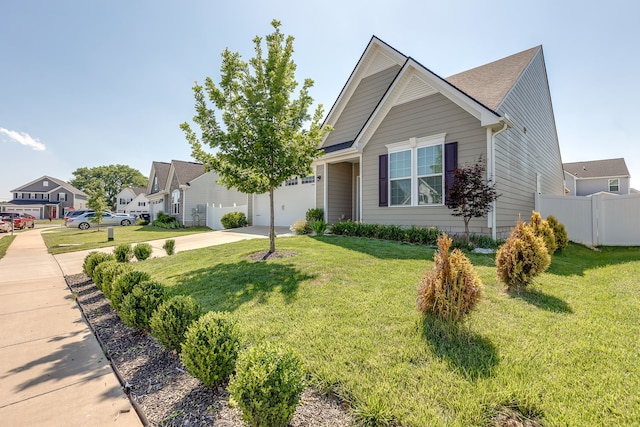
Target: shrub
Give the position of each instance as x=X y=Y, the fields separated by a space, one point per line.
x=106 y=273
x=142 y=251
x=169 y=246
x=315 y=214
x=452 y=288
x=559 y=232
x=123 y=252
x=172 y=319
x=234 y=220
x=267 y=385
x=92 y=260
x=319 y=227
x=522 y=257
x=413 y=234
x=138 y=306
x=541 y=228
x=210 y=349
x=301 y=226
x=124 y=284
x=166 y=221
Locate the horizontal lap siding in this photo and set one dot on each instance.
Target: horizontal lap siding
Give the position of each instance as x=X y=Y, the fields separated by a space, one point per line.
x=521 y=155
x=427 y=116
x=320 y=187
x=205 y=189
x=340 y=191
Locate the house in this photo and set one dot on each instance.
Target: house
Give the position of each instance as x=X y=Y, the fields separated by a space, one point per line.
x=184 y=189
x=132 y=200
x=400 y=131
x=45 y=197
x=586 y=178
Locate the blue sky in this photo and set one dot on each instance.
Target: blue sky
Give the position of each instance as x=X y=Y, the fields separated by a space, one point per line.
x=90 y=83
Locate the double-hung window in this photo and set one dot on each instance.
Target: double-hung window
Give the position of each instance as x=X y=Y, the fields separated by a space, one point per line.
x=614 y=185
x=400 y=178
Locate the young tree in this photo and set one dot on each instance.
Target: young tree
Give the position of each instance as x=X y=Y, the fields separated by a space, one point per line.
x=96 y=202
x=263 y=142
x=113 y=179
x=470 y=195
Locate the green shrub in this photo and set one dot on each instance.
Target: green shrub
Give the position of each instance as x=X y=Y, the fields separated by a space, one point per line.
x=522 y=257
x=172 y=319
x=92 y=260
x=234 y=220
x=414 y=234
x=315 y=214
x=107 y=272
x=166 y=221
x=541 y=228
x=169 y=246
x=319 y=227
x=452 y=288
x=559 y=232
x=301 y=226
x=210 y=349
x=142 y=251
x=138 y=306
x=142 y=222
x=123 y=252
x=267 y=385
x=124 y=284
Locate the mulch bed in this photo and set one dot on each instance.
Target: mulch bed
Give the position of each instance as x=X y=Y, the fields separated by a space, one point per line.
x=160 y=386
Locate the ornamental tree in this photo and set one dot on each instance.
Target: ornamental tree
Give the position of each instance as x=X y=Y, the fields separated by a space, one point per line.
x=470 y=195
x=112 y=178
x=261 y=141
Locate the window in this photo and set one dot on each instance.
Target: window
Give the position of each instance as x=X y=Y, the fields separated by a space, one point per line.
x=308 y=179
x=155 y=183
x=18 y=195
x=175 y=199
x=400 y=178
x=289 y=182
x=62 y=197
x=142 y=203
x=122 y=201
x=614 y=185
x=45 y=183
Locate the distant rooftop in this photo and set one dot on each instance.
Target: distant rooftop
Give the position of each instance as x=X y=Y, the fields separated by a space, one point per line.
x=597 y=168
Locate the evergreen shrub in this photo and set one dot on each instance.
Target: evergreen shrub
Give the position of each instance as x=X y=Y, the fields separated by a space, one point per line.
x=541 y=228
x=172 y=319
x=559 y=232
x=92 y=260
x=234 y=220
x=142 y=251
x=138 y=306
x=124 y=284
x=123 y=252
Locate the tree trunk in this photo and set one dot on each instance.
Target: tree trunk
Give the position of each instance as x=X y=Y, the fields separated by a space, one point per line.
x=466 y=228
x=272 y=228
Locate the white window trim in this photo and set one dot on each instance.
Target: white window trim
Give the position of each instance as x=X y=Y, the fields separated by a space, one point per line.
x=413 y=144
x=617 y=184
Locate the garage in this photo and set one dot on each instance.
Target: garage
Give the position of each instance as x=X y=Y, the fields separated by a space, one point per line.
x=291 y=202
x=21 y=209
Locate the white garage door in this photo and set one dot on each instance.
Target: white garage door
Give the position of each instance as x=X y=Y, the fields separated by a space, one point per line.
x=291 y=203
x=31 y=211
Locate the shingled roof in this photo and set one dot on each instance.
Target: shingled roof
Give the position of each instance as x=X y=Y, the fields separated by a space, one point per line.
x=597 y=168
x=186 y=172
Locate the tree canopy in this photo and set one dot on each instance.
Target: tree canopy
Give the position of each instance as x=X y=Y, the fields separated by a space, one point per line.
x=112 y=179
x=262 y=140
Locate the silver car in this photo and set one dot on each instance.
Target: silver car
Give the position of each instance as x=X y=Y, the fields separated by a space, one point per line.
x=85 y=220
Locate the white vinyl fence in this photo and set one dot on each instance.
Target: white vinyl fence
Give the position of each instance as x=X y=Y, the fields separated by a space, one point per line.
x=597 y=220
x=214 y=213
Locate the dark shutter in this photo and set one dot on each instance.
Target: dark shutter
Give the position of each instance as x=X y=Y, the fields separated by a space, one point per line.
x=450 y=164
x=383 y=180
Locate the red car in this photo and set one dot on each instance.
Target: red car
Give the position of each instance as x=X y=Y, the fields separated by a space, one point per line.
x=20 y=221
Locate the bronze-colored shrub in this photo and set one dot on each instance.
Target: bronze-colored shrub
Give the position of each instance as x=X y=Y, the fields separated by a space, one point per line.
x=560 y=233
x=541 y=228
x=452 y=288
x=522 y=257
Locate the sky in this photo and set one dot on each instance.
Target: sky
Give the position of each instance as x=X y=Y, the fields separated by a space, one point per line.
x=91 y=83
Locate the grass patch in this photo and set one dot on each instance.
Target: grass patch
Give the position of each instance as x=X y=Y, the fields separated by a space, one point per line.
x=564 y=352
x=61 y=240
x=5 y=241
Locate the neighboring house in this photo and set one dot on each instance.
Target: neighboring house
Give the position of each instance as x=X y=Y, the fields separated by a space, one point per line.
x=45 y=197
x=597 y=176
x=400 y=131
x=132 y=200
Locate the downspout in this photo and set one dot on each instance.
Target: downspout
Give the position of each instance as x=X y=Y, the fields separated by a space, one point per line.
x=491 y=170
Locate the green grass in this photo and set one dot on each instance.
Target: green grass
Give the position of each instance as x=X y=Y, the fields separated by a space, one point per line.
x=566 y=351
x=61 y=239
x=5 y=241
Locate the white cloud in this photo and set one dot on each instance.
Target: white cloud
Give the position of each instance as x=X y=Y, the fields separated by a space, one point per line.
x=24 y=139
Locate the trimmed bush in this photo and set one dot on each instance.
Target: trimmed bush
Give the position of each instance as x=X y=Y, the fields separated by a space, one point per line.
x=234 y=220
x=541 y=228
x=107 y=272
x=138 y=306
x=452 y=288
x=522 y=257
x=267 y=385
x=172 y=319
x=142 y=251
x=300 y=227
x=124 y=284
x=314 y=214
x=169 y=246
x=414 y=234
x=166 y=221
x=123 y=252
x=559 y=232
x=93 y=259
x=210 y=349
x=319 y=227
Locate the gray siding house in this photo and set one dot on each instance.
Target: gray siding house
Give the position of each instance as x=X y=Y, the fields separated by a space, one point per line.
x=586 y=178
x=401 y=130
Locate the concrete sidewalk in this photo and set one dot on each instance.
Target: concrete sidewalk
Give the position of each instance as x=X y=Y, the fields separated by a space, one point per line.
x=52 y=369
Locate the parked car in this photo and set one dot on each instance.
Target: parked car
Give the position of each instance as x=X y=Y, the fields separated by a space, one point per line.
x=84 y=221
x=5 y=226
x=20 y=221
x=76 y=212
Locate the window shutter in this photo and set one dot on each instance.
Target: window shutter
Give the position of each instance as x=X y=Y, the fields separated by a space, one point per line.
x=450 y=165
x=383 y=180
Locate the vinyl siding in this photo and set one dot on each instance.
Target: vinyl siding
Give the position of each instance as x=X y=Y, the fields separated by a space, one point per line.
x=522 y=154
x=360 y=106
x=320 y=186
x=423 y=117
x=584 y=187
x=205 y=189
x=341 y=192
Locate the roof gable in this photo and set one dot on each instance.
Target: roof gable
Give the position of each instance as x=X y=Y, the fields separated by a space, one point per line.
x=598 y=168
x=185 y=172
x=38 y=185
x=160 y=173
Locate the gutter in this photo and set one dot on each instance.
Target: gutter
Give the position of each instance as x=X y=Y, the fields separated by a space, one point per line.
x=491 y=168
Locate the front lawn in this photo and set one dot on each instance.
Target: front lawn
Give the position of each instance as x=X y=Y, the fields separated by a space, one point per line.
x=566 y=352
x=5 y=241
x=61 y=240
